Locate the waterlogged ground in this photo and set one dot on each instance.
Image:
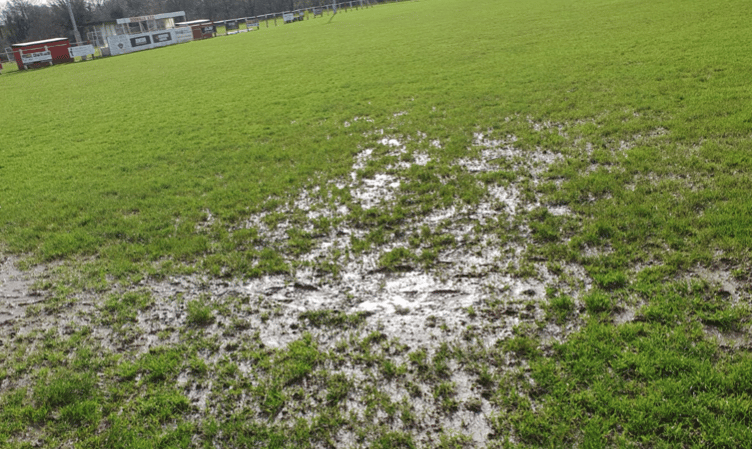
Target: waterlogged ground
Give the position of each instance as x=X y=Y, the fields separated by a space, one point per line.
x=397 y=306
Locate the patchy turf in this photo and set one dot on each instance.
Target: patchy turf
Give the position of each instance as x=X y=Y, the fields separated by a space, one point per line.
x=537 y=234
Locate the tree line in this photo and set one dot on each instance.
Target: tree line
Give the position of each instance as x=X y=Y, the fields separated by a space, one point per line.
x=24 y=21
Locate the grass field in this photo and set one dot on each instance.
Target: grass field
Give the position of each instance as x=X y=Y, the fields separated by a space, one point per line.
x=9 y=67
x=432 y=223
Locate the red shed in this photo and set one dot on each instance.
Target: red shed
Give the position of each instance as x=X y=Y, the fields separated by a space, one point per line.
x=39 y=53
x=202 y=29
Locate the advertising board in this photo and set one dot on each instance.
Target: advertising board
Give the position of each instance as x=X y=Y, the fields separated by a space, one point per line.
x=183 y=34
x=81 y=50
x=121 y=44
x=40 y=56
x=140 y=41
x=160 y=38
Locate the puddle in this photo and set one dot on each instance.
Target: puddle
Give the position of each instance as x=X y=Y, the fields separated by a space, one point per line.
x=724 y=281
x=400 y=301
x=377 y=190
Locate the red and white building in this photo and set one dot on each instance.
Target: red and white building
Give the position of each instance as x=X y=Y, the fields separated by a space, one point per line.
x=42 y=53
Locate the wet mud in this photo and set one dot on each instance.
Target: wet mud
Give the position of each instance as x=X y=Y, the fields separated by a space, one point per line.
x=16 y=291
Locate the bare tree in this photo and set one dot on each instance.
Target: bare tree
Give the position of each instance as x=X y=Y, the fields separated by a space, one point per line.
x=82 y=13
x=17 y=16
x=25 y=21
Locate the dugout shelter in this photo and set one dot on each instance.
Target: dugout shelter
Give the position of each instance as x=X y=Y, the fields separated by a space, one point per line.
x=42 y=53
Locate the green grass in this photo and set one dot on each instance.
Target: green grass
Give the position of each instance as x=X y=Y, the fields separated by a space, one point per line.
x=148 y=165
x=331 y=318
x=199 y=313
x=132 y=183
x=656 y=381
x=9 y=67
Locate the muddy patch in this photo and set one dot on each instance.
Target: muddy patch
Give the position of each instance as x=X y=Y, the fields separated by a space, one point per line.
x=387 y=280
x=406 y=299
x=471 y=291
x=16 y=291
